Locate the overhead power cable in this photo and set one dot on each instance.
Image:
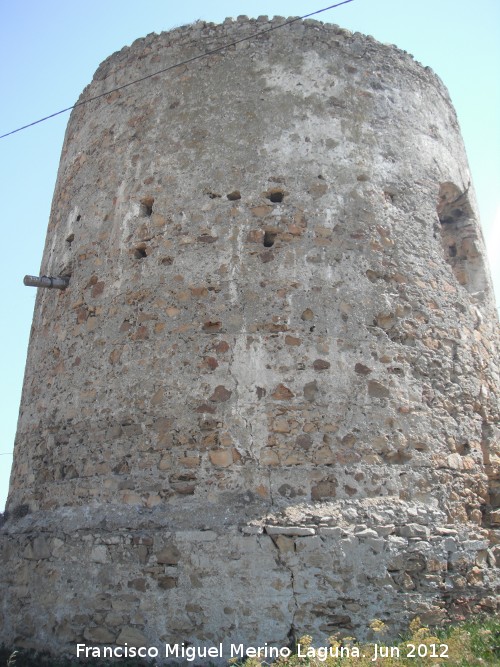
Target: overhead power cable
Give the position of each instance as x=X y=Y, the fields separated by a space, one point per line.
x=171 y=67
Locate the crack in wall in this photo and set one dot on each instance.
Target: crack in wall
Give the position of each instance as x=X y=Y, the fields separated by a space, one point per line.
x=271 y=489
x=281 y=562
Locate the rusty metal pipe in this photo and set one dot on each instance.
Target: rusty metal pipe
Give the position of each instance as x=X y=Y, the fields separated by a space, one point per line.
x=59 y=282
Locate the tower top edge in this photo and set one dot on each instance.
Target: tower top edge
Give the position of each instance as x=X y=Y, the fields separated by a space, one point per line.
x=208 y=35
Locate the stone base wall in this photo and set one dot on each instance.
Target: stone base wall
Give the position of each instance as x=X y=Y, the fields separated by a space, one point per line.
x=134 y=577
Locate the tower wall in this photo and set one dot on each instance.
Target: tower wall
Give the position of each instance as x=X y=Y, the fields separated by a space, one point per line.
x=267 y=403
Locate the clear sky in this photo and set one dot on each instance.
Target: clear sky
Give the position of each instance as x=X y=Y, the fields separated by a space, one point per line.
x=49 y=51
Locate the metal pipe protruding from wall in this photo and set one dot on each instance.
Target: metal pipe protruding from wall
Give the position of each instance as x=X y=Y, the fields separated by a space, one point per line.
x=59 y=282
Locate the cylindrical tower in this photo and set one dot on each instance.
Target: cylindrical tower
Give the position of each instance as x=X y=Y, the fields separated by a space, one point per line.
x=267 y=402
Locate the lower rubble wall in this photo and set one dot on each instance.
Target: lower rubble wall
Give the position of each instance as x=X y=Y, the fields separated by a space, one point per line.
x=134 y=578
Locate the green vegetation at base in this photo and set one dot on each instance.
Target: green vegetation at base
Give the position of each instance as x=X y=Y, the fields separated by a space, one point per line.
x=473 y=643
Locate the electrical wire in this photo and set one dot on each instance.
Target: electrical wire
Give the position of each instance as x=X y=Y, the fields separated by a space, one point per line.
x=171 y=67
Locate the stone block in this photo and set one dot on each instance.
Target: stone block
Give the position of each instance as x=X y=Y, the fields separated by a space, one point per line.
x=221 y=457
x=333 y=532
x=169 y=555
x=38 y=549
x=98 y=635
x=414 y=530
x=99 y=554
x=197 y=536
x=252 y=530
x=131 y=636
x=289 y=530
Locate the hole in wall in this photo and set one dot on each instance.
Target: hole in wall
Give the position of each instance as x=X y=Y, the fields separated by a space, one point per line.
x=140 y=252
x=146 y=209
x=269 y=238
x=276 y=195
x=453 y=204
x=389 y=196
x=70 y=239
x=78 y=218
x=20 y=511
x=460 y=239
x=463 y=448
x=234 y=195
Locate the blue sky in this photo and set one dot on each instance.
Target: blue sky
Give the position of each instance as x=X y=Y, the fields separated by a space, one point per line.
x=49 y=51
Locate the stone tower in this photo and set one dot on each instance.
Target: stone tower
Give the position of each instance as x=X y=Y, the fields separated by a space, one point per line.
x=267 y=403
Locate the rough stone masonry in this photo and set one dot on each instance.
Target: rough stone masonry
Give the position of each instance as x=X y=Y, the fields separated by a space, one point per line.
x=267 y=403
